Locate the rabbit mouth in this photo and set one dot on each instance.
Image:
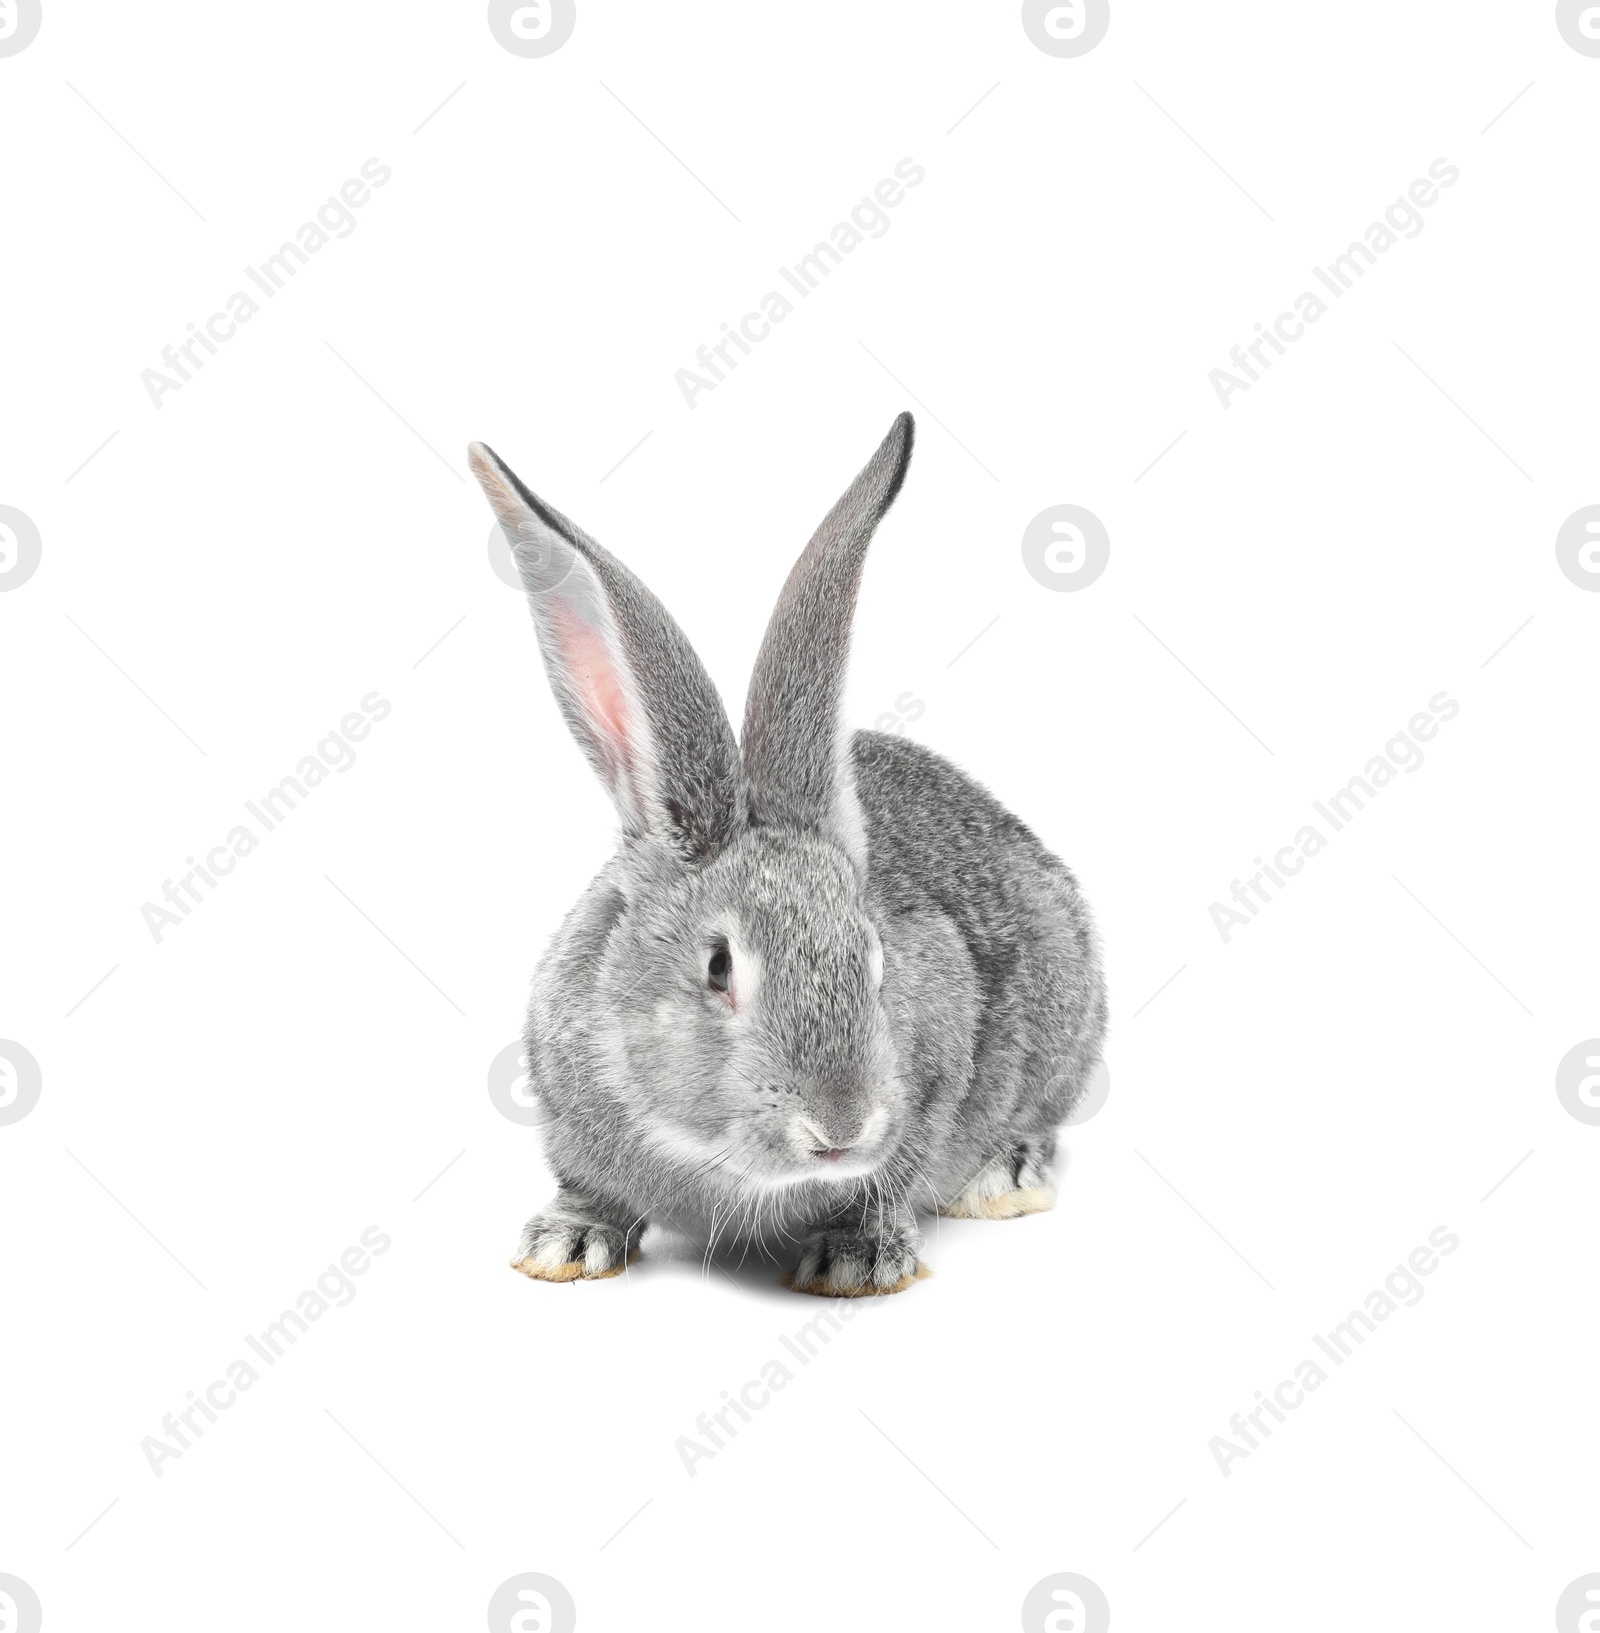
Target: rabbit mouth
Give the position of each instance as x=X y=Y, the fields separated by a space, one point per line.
x=827 y=1154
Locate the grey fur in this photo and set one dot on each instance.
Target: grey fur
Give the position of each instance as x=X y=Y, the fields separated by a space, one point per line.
x=791 y=715
x=693 y=791
x=817 y=860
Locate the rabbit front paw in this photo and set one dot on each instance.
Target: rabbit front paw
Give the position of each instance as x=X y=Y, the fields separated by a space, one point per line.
x=570 y=1240
x=856 y=1263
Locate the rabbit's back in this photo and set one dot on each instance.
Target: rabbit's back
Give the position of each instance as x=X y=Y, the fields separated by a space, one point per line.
x=940 y=842
x=937 y=837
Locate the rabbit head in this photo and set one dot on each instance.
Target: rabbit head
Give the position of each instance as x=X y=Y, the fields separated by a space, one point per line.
x=733 y=1005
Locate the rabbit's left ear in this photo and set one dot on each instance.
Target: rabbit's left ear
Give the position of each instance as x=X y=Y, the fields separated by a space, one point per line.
x=796 y=750
x=637 y=698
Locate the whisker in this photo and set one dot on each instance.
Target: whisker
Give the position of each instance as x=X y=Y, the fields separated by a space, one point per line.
x=697 y=1173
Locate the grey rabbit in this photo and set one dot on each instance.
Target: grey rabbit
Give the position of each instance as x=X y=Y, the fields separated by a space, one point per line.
x=825 y=980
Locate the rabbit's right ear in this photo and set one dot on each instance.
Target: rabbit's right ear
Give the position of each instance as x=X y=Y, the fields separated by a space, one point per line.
x=637 y=698
x=796 y=752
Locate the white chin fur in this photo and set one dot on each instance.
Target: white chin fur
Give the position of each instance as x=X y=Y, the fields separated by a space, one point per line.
x=810 y=1171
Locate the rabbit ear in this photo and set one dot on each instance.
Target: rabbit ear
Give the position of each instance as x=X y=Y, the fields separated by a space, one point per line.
x=796 y=753
x=635 y=695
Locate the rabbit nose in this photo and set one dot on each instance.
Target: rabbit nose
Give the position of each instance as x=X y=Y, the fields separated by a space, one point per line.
x=830 y=1146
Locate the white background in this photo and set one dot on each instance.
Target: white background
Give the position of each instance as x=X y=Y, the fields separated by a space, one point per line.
x=226 y=1112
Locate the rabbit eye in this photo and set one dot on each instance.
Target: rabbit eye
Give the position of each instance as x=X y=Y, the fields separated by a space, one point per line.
x=720 y=971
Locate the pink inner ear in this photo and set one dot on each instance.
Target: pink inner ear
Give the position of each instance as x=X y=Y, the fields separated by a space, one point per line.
x=594 y=678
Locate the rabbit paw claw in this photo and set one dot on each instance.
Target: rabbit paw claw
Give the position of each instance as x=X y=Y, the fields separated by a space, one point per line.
x=568 y=1249
x=838 y=1264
